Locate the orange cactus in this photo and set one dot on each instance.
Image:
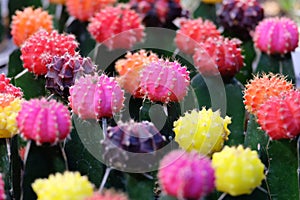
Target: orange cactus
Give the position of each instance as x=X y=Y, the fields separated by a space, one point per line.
x=261 y=88
x=57 y=1
x=27 y=22
x=83 y=10
x=130 y=67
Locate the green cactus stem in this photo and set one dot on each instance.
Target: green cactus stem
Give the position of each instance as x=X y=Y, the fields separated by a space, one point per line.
x=282 y=64
x=206 y=11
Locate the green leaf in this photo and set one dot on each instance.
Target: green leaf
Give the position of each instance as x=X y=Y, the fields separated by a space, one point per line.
x=31 y=85
x=236 y=110
x=206 y=11
x=139 y=187
x=249 y=53
x=15 y=64
x=282 y=176
x=41 y=161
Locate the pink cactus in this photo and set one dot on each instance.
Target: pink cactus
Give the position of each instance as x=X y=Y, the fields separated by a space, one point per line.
x=117 y=27
x=276 y=35
x=164 y=81
x=186 y=175
x=219 y=55
x=279 y=116
x=2 y=190
x=44 y=121
x=194 y=31
x=95 y=97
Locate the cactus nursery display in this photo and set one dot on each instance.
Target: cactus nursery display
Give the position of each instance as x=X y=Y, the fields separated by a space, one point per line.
x=148 y=99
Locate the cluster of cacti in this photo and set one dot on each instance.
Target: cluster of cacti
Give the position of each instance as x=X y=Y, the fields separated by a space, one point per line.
x=100 y=102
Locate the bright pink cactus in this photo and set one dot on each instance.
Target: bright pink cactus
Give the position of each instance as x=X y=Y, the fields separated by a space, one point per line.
x=117 y=27
x=44 y=121
x=186 y=175
x=95 y=97
x=219 y=54
x=276 y=35
x=279 y=116
x=8 y=88
x=164 y=81
x=2 y=190
x=194 y=31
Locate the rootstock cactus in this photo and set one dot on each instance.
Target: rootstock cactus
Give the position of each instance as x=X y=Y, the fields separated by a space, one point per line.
x=148 y=99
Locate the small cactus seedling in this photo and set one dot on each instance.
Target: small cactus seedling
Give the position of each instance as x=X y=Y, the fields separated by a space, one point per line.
x=27 y=22
x=44 y=121
x=240 y=17
x=40 y=48
x=279 y=116
x=219 y=55
x=117 y=27
x=84 y=10
x=194 y=31
x=164 y=81
x=186 y=175
x=63 y=70
x=95 y=97
x=69 y=185
x=238 y=171
x=203 y=131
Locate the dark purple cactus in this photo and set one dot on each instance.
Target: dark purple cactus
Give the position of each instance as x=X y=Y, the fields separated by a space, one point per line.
x=159 y=13
x=125 y=141
x=63 y=70
x=239 y=17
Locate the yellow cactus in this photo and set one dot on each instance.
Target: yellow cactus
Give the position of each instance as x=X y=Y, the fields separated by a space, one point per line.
x=70 y=185
x=203 y=131
x=211 y=1
x=9 y=108
x=238 y=171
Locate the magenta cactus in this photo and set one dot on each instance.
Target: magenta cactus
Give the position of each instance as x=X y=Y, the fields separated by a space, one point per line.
x=276 y=35
x=164 y=81
x=44 y=121
x=2 y=190
x=95 y=97
x=186 y=175
x=63 y=70
x=219 y=54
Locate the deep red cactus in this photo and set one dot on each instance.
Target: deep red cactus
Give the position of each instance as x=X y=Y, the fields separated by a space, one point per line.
x=239 y=17
x=44 y=121
x=117 y=27
x=219 y=54
x=39 y=49
x=159 y=13
x=95 y=97
x=279 y=116
x=276 y=36
x=164 y=81
x=194 y=31
x=63 y=70
x=8 y=88
x=84 y=10
x=186 y=175
x=131 y=137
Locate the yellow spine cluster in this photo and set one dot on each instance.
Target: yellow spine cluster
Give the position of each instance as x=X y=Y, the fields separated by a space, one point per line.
x=203 y=131
x=238 y=171
x=70 y=185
